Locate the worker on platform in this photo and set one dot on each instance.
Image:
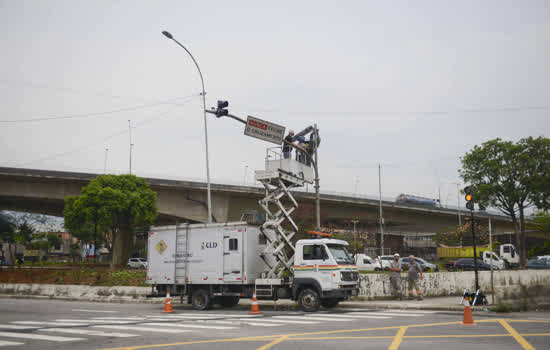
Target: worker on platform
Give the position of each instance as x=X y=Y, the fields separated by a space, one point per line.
x=301 y=155
x=287 y=149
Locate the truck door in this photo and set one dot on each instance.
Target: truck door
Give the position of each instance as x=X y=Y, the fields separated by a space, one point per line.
x=232 y=256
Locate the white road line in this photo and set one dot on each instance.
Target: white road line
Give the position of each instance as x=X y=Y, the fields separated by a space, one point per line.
x=105 y=311
x=381 y=314
x=252 y=323
x=184 y=325
x=42 y=323
x=413 y=310
x=85 y=322
x=120 y=318
x=9 y=343
x=206 y=315
x=286 y=321
x=88 y=332
x=14 y=326
x=37 y=336
x=400 y=314
x=182 y=317
x=316 y=318
x=357 y=316
x=144 y=329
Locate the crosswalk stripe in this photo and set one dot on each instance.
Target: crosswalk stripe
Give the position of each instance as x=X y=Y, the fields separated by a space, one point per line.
x=14 y=326
x=252 y=323
x=359 y=316
x=94 y=321
x=400 y=314
x=37 y=336
x=185 y=325
x=316 y=318
x=9 y=343
x=285 y=321
x=414 y=310
x=144 y=329
x=88 y=332
x=120 y=318
x=99 y=311
x=182 y=317
x=381 y=314
x=207 y=315
x=42 y=323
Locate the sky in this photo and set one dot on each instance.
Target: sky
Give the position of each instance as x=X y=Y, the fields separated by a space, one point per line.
x=411 y=86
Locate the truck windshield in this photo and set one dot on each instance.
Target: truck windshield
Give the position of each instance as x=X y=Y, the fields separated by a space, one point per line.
x=340 y=254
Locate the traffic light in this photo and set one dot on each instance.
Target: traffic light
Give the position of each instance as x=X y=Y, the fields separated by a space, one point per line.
x=469 y=197
x=221 y=111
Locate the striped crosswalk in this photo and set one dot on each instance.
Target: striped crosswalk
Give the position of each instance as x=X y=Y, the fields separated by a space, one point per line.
x=73 y=329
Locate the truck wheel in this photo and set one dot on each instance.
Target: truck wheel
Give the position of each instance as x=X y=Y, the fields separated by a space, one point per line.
x=229 y=301
x=309 y=300
x=201 y=300
x=329 y=303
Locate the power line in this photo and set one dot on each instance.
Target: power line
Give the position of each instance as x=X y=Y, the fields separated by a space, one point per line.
x=95 y=114
x=122 y=132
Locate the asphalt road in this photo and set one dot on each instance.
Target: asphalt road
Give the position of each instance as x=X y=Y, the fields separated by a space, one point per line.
x=49 y=324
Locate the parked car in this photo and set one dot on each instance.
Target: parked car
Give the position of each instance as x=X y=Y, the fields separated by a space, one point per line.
x=426 y=266
x=384 y=261
x=366 y=263
x=137 y=263
x=467 y=264
x=538 y=263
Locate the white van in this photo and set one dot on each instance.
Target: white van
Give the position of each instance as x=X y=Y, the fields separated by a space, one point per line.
x=366 y=263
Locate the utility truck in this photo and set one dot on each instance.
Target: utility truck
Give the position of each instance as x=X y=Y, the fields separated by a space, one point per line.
x=224 y=262
x=504 y=256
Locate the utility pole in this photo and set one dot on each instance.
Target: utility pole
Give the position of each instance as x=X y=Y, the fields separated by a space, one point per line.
x=354 y=237
x=381 y=217
x=458 y=203
x=317 y=195
x=105 y=161
x=491 y=250
x=131 y=146
x=245 y=174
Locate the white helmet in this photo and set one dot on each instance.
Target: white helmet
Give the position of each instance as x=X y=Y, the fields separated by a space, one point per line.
x=396 y=254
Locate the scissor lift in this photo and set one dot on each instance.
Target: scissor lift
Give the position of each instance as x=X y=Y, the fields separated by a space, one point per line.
x=279 y=178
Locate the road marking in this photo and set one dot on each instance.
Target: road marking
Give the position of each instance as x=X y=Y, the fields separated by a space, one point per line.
x=398 y=339
x=105 y=311
x=316 y=318
x=9 y=343
x=182 y=317
x=184 y=325
x=359 y=316
x=399 y=314
x=14 y=326
x=521 y=340
x=275 y=342
x=411 y=311
x=37 y=336
x=252 y=323
x=94 y=321
x=88 y=332
x=145 y=329
x=208 y=315
x=279 y=321
x=51 y=323
x=120 y=318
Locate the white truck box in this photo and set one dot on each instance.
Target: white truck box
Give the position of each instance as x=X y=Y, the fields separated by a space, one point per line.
x=227 y=253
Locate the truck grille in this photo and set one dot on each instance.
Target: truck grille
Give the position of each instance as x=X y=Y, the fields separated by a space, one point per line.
x=350 y=275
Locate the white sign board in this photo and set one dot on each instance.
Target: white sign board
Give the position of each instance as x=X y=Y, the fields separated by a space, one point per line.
x=264 y=130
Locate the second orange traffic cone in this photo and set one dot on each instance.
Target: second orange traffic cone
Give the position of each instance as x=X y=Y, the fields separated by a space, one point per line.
x=168 y=303
x=468 y=320
x=254 y=308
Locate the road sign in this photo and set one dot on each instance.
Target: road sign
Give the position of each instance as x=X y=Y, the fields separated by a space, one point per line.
x=264 y=130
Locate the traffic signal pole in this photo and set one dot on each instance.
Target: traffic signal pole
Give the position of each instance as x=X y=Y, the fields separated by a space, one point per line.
x=475 y=252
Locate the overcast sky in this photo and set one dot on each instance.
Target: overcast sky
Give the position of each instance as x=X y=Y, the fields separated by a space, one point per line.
x=412 y=85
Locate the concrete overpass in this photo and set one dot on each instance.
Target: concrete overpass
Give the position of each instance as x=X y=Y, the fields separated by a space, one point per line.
x=44 y=191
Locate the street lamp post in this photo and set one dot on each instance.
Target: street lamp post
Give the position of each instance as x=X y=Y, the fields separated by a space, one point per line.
x=209 y=201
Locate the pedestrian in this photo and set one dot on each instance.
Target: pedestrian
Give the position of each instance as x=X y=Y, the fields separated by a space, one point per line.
x=287 y=149
x=415 y=272
x=395 y=277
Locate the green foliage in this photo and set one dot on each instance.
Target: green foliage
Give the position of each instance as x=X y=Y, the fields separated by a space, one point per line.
x=25 y=233
x=7 y=229
x=536 y=159
x=540 y=249
x=117 y=205
x=462 y=235
x=541 y=222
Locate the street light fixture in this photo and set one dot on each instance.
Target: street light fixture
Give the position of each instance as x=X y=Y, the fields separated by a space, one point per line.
x=209 y=201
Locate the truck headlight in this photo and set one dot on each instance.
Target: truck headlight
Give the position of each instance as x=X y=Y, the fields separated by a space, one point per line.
x=341 y=276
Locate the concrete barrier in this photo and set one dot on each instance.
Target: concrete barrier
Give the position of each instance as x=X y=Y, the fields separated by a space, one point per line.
x=78 y=292
x=374 y=286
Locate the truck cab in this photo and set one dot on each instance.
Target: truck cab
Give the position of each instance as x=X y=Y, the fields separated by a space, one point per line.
x=496 y=261
x=324 y=273
x=509 y=255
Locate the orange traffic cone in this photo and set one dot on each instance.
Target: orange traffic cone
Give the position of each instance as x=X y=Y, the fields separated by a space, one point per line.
x=168 y=303
x=254 y=308
x=468 y=320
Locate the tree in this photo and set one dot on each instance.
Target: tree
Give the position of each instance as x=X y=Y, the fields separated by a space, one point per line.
x=115 y=204
x=462 y=235
x=505 y=176
x=7 y=235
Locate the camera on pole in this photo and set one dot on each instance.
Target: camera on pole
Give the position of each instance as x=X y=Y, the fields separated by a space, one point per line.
x=221 y=111
x=469 y=197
